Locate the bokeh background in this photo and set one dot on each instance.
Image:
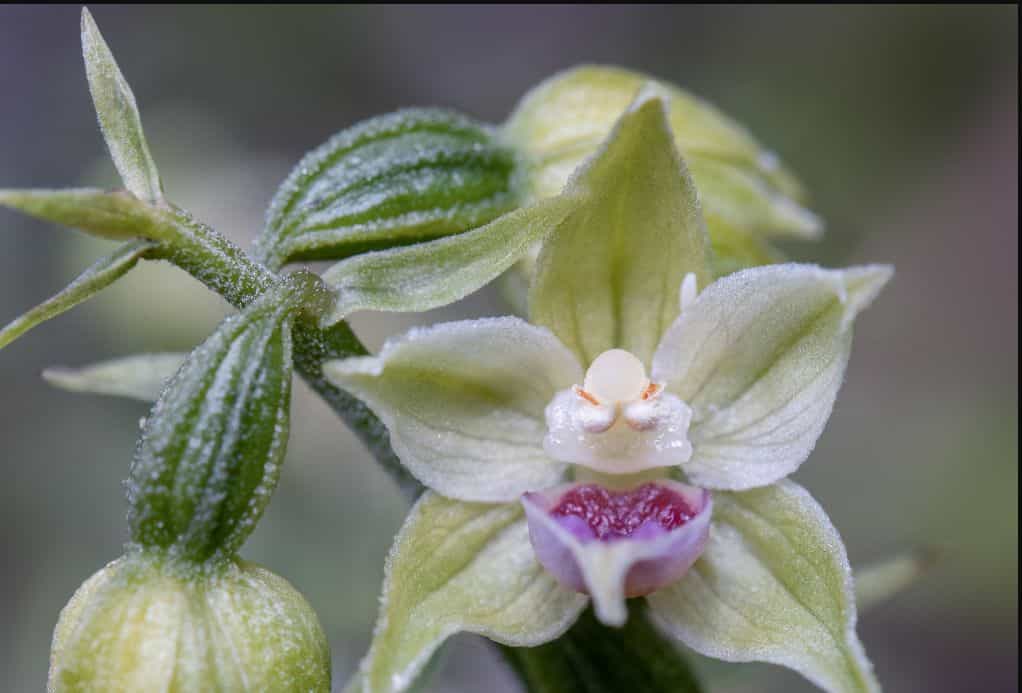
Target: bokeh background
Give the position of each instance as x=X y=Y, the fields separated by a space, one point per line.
x=903 y=122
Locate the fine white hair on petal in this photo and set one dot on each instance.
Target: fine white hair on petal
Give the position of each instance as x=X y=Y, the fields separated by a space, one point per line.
x=759 y=355
x=463 y=402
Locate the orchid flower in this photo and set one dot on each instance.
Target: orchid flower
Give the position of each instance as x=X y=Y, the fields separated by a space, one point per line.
x=633 y=439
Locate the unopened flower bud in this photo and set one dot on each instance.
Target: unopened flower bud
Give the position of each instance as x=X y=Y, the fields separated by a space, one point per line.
x=143 y=623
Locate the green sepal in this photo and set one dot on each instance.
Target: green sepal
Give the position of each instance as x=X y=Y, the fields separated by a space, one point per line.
x=93 y=280
x=118 y=115
x=608 y=276
x=211 y=450
x=401 y=178
x=460 y=567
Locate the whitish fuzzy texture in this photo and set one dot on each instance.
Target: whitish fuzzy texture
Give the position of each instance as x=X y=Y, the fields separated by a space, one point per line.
x=608 y=277
x=141 y=376
x=428 y=275
x=460 y=567
x=118 y=116
x=759 y=356
x=464 y=401
x=139 y=625
x=773 y=585
x=612 y=570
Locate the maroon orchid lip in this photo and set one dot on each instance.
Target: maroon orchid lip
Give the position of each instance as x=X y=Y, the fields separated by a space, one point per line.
x=614 y=544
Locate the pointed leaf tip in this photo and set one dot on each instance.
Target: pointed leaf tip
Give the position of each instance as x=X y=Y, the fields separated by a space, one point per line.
x=118 y=115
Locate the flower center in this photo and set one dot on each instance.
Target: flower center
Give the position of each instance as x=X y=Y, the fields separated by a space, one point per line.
x=618 y=421
x=609 y=515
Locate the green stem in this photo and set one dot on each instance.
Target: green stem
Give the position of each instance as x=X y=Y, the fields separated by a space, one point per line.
x=591 y=658
x=229 y=271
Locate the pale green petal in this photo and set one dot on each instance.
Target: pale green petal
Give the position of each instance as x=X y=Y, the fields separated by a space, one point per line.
x=90 y=282
x=745 y=201
x=609 y=275
x=464 y=402
x=428 y=275
x=773 y=585
x=140 y=376
x=759 y=356
x=118 y=116
x=458 y=567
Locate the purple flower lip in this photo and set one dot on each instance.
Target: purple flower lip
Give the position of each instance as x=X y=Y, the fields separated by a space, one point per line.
x=618 y=543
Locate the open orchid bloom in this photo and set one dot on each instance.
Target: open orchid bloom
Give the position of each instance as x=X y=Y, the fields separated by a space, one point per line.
x=632 y=440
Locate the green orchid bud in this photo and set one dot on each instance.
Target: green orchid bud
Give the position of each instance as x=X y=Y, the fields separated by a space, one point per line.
x=147 y=624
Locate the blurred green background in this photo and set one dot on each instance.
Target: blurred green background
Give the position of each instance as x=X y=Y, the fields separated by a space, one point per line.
x=902 y=121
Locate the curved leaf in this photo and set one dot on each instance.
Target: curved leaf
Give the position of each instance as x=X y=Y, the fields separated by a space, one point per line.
x=93 y=280
x=773 y=585
x=401 y=178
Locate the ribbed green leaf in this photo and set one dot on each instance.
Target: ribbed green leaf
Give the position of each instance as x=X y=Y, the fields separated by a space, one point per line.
x=396 y=179
x=212 y=446
x=93 y=280
x=118 y=115
x=592 y=658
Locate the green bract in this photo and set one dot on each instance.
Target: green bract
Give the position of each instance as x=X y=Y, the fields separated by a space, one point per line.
x=427 y=275
x=140 y=624
x=118 y=116
x=396 y=179
x=754 y=360
x=101 y=275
